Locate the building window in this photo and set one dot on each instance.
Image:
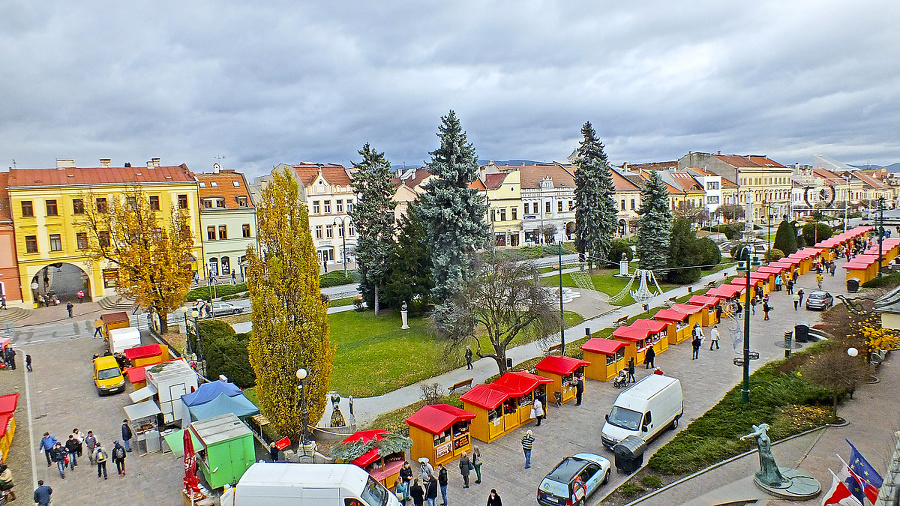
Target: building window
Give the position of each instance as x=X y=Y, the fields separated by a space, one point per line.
x=350 y=230
x=27 y=209
x=349 y=206
x=559 y=206
x=339 y=206
x=211 y=233
x=31 y=244
x=207 y=203
x=318 y=231
x=493 y=215
x=242 y=201
x=632 y=204
x=154 y=202
x=622 y=204
x=131 y=203
x=102 y=206
x=55 y=242
x=547 y=207
x=81 y=240
x=327 y=207
x=78 y=206
x=103 y=239
x=51 y=208
x=329 y=231
x=245 y=230
x=571 y=205
x=182 y=202
x=220 y=203
x=503 y=214
x=515 y=213
x=223 y=231
x=315 y=207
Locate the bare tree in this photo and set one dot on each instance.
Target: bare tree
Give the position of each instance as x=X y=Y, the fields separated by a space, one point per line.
x=549 y=232
x=730 y=212
x=836 y=371
x=503 y=301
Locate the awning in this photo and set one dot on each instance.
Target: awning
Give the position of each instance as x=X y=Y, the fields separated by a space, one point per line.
x=143 y=393
x=141 y=410
x=175 y=441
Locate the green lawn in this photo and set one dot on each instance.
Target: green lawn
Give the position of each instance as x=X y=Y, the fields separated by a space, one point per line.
x=604 y=281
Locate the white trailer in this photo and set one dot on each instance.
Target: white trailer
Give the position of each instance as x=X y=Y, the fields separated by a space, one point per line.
x=166 y=383
x=123 y=338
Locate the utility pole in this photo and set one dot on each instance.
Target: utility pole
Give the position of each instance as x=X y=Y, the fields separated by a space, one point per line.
x=562 y=319
x=880 y=231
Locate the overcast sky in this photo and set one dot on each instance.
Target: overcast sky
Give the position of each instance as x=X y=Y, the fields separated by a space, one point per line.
x=260 y=83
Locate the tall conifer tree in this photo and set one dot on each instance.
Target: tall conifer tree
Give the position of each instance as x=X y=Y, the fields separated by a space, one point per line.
x=595 y=208
x=373 y=217
x=654 y=225
x=452 y=212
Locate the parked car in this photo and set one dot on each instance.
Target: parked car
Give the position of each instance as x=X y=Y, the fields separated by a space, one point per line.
x=573 y=480
x=224 y=308
x=819 y=300
x=107 y=376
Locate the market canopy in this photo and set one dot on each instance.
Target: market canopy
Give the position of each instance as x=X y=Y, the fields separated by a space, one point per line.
x=485 y=396
x=688 y=309
x=117 y=317
x=4 y=423
x=669 y=315
x=142 y=410
x=175 y=440
x=519 y=383
x=436 y=418
x=631 y=333
x=209 y=391
x=603 y=346
x=150 y=350
x=651 y=326
x=8 y=403
x=224 y=404
x=560 y=365
x=703 y=301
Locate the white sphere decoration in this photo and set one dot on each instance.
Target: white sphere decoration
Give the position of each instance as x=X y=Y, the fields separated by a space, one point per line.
x=852 y=352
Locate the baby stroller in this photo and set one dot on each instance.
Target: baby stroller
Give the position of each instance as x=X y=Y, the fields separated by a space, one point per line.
x=621 y=379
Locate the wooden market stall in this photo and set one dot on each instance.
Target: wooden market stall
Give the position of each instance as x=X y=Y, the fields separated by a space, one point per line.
x=439 y=432
x=708 y=315
x=694 y=312
x=382 y=464
x=726 y=292
x=522 y=386
x=679 y=320
x=561 y=370
x=8 y=404
x=488 y=403
x=110 y=321
x=766 y=278
x=226 y=449
x=756 y=284
x=607 y=358
x=147 y=355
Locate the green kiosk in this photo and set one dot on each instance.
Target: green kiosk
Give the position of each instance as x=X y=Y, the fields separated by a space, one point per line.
x=226 y=449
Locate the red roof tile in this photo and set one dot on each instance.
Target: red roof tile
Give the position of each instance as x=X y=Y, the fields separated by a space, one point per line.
x=485 y=396
x=519 y=383
x=228 y=185
x=436 y=418
x=562 y=366
x=532 y=175
x=96 y=176
x=604 y=346
x=333 y=173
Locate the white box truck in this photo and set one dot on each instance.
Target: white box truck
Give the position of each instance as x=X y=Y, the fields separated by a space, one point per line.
x=123 y=338
x=266 y=483
x=644 y=410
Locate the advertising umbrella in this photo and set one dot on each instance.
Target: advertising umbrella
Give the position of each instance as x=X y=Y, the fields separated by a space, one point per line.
x=190 y=465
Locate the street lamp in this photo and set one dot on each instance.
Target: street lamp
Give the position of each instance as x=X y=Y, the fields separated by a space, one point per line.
x=301 y=376
x=200 y=364
x=745 y=390
x=846 y=202
x=562 y=315
x=344 y=240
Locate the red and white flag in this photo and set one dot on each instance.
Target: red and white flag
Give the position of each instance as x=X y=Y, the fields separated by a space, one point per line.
x=839 y=494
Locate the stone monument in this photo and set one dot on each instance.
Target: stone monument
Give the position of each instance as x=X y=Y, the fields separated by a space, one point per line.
x=623 y=265
x=403 y=316
x=783 y=482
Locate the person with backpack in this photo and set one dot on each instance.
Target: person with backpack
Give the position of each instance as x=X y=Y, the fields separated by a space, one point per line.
x=100 y=457
x=697 y=341
x=127 y=435
x=118 y=456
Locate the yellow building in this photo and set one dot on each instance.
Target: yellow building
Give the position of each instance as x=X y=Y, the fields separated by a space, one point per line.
x=48 y=208
x=504 y=198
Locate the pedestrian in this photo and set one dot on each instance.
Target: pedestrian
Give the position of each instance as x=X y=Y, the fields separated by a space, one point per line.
x=425 y=468
x=718 y=312
x=697 y=341
x=714 y=337
x=273 y=451
x=538 y=410
x=790 y=286
x=630 y=370
x=72 y=451
x=579 y=386
x=80 y=439
x=795 y=276
x=6 y=483
x=417 y=493
x=47 y=444
x=100 y=457
x=443 y=481
x=527 y=444
x=98 y=326
x=58 y=455
x=91 y=442
x=833 y=268
x=11 y=357
x=766 y=309
x=796 y=299
x=738 y=309
x=800 y=293
x=126 y=435
x=753 y=306
x=406 y=475
x=431 y=491
x=465 y=466
x=233 y=278
x=819 y=279
x=494 y=498
x=80 y=296
x=468 y=358
x=42 y=494
x=69 y=308
x=651 y=356
x=402 y=491
x=28 y=362
x=118 y=456
x=477 y=462
x=3 y=301
x=777 y=283
x=196 y=278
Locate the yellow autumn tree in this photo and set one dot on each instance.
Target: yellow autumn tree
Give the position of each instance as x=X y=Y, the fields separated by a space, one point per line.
x=152 y=252
x=290 y=320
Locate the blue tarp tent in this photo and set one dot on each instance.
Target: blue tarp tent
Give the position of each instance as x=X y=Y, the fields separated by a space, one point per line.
x=209 y=391
x=239 y=405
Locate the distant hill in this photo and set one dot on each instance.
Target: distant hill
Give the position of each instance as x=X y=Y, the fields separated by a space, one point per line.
x=509 y=162
x=894 y=167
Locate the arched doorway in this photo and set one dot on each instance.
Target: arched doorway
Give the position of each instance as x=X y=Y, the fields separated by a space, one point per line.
x=62 y=281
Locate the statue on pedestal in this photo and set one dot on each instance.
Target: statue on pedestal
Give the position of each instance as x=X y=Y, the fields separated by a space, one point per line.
x=403 y=316
x=768 y=471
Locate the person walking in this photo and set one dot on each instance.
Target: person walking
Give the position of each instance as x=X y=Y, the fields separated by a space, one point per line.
x=697 y=341
x=819 y=279
x=100 y=457
x=790 y=287
x=91 y=442
x=47 y=444
x=80 y=296
x=766 y=309
x=753 y=306
x=443 y=481
x=714 y=337
x=650 y=358
x=80 y=439
x=28 y=362
x=468 y=358
x=538 y=410
x=69 y=308
x=476 y=463
x=72 y=451
x=796 y=299
x=431 y=490
x=494 y=498
x=11 y=358
x=465 y=466
x=42 y=494
x=417 y=493
x=579 y=387
x=118 y=456
x=127 y=435
x=98 y=328
x=800 y=293
x=527 y=445
x=630 y=370
x=58 y=454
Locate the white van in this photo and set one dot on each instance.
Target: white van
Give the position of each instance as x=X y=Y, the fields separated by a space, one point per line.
x=644 y=410
x=267 y=483
x=123 y=338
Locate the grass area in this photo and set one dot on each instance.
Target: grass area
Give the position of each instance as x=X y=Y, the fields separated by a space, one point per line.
x=337 y=278
x=346 y=301
x=603 y=279
x=395 y=421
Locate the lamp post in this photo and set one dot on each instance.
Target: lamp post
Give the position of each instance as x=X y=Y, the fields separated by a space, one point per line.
x=200 y=363
x=562 y=315
x=301 y=377
x=846 y=202
x=343 y=240
x=880 y=231
x=745 y=390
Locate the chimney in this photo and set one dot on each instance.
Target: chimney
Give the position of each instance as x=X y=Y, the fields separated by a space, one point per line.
x=128 y=164
x=216 y=168
x=625 y=166
x=150 y=164
x=155 y=162
x=105 y=162
x=65 y=163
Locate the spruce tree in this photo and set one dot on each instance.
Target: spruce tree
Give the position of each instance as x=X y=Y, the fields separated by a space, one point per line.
x=453 y=213
x=685 y=252
x=785 y=238
x=410 y=278
x=654 y=225
x=373 y=216
x=595 y=208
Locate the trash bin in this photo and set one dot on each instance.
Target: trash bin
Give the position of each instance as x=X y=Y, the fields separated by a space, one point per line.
x=853 y=285
x=801 y=332
x=629 y=454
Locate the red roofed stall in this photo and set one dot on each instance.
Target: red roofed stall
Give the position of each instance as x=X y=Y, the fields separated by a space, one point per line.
x=522 y=387
x=487 y=402
x=694 y=312
x=440 y=432
x=8 y=404
x=147 y=355
x=677 y=318
x=562 y=371
x=607 y=358
x=640 y=336
x=384 y=469
x=710 y=316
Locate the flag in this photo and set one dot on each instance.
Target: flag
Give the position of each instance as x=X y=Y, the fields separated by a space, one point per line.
x=867 y=474
x=838 y=494
x=858 y=486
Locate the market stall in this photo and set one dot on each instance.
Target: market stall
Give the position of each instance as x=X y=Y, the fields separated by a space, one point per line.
x=238 y=404
x=166 y=383
x=439 y=432
x=757 y=285
x=110 y=321
x=147 y=355
x=143 y=419
x=606 y=357
x=379 y=452
x=679 y=320
x=561 y=370
x=694 y=312
x=488 y=403
x=708 y=316
x=226 y=449
x=522 y=387
x=8 y=404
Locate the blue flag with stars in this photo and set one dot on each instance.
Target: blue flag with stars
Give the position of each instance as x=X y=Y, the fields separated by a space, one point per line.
x=861 y=467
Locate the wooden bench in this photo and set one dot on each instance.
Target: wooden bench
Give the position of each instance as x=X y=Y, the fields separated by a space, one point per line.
x=461 y=384
x=711 y=284
x=622 y=321
x=555 y=347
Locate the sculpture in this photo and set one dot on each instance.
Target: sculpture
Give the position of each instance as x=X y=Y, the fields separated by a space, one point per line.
x=768 y=473
x=337 y=418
